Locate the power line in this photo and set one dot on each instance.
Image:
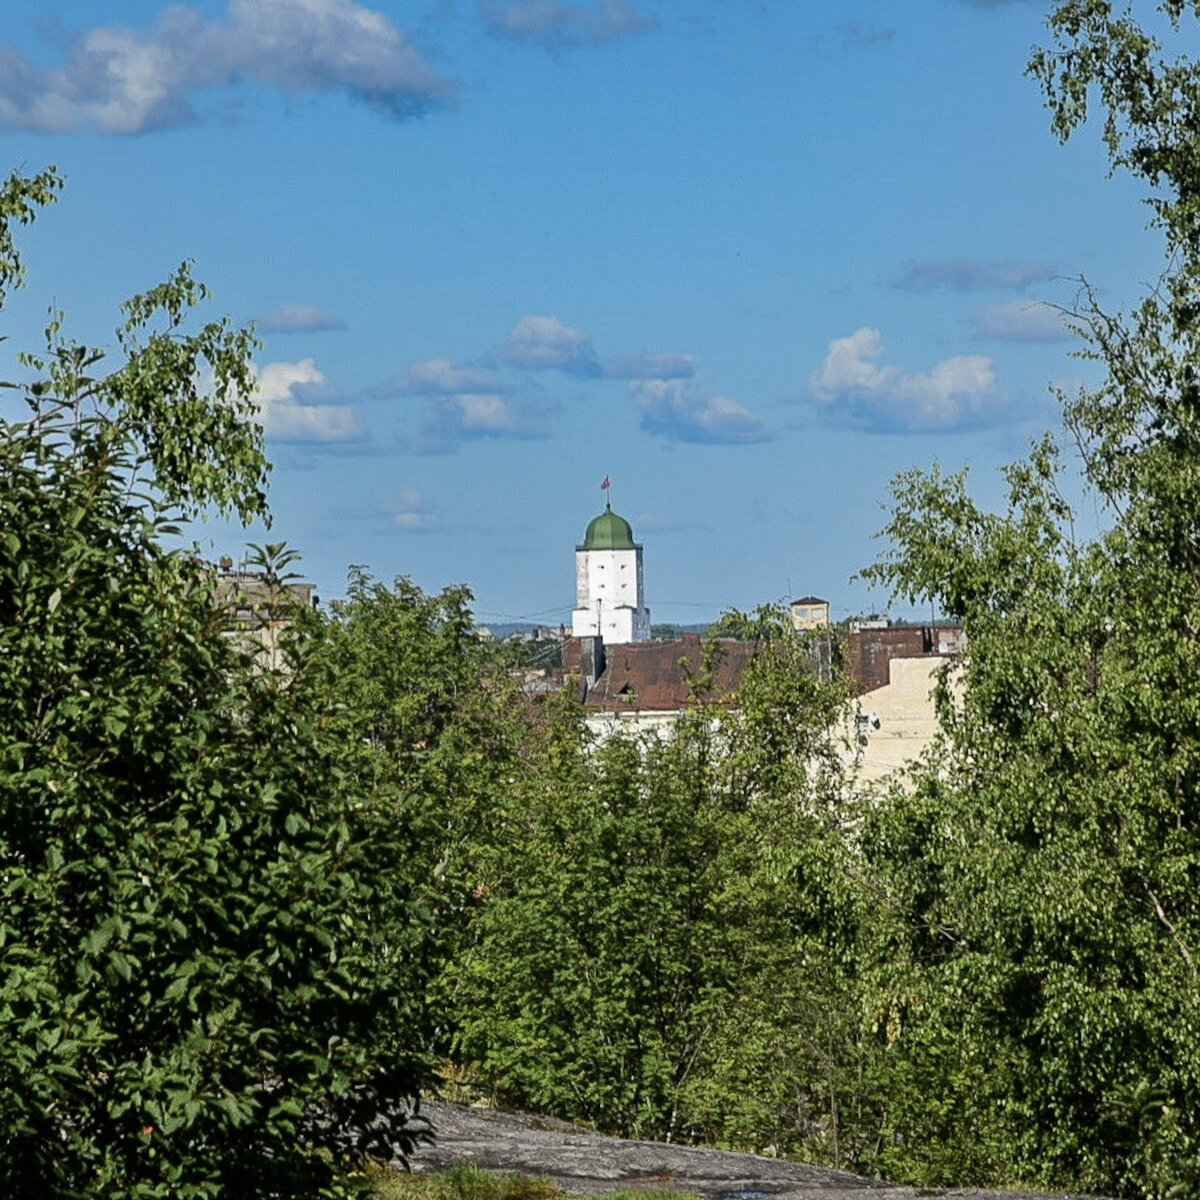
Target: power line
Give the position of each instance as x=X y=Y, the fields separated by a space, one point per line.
x=557 y=610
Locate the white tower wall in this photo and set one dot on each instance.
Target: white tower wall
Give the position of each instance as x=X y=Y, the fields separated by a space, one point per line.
x=609 y=596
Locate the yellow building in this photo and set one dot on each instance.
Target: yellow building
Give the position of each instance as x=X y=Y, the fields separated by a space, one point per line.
x=810 y=612
x=259 y=607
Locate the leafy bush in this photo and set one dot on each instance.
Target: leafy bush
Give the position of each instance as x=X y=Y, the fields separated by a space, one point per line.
x=638 y=894
x=203 y=965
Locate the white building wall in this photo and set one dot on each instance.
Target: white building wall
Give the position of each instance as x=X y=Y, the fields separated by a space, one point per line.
x=608 y=596
x=603 y=724
x=899 y=719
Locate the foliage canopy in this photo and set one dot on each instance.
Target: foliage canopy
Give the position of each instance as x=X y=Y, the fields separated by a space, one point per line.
x=197 y=992
x=1057 y=849
x=243 y=908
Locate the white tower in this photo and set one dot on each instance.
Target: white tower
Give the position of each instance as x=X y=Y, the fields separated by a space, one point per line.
x=609 y=596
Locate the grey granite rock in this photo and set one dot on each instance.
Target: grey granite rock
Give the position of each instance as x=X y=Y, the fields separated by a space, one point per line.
x=588 y=1163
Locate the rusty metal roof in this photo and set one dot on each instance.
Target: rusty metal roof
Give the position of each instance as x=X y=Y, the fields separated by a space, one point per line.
x=657 y=676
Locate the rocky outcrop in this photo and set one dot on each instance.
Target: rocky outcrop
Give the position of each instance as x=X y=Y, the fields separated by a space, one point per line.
x=587 y=1163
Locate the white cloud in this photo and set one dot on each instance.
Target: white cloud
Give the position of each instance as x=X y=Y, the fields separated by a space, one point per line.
x=651 y=366
x=286 y=417
x=484 y=414
x=409 y=513
x=448 y=421
x=473 y=403
x=853 y=385
x=1022 y=321
x=117 y=79
x=680 y=411
x=972 y=275
x=557 y=25
x=443 y=376
x=298 y=318
x=538 y=343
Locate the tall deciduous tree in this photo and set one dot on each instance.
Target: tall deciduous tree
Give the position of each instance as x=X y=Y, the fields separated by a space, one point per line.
x=1048 y=870
x=647 y=897
x=203 y=977
x=430 y=727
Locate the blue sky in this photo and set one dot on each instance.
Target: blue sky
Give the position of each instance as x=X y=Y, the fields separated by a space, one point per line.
x=750 y=258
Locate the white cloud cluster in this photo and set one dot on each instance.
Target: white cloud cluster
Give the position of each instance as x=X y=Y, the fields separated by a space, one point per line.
x=854 y=386
x=483 y=415
x=122 y=80
x=537 y=343
x=444 y=377
x=1022 y=321
x=409 y=513
x=287 y=417
x=972 y=275
x=298 y=318
x=678 y=409
x=651 y=366
x=558 y=25
x=448 y=421
x=464 y=403
x=472 y=402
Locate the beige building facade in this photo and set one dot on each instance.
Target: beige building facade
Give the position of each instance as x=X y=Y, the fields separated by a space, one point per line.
x=894 y=721
x=809 y=612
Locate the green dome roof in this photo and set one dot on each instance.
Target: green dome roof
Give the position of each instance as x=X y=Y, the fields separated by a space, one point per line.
x=608 y=532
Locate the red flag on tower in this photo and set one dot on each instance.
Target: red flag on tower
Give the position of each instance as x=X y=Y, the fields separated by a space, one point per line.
x=606 y=484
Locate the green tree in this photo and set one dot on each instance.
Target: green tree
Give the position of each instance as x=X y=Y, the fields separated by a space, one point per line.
x=599 y=956
x=430 y=726
x=642 y=895
x=788 y=1065
x=1043 y=878
x=203 y=973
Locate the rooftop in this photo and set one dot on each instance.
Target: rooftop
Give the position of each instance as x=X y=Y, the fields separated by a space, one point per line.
x=608 y=531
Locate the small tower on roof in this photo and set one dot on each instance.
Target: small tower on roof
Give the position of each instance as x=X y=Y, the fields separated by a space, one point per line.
x=609 y=591
x=809 y=612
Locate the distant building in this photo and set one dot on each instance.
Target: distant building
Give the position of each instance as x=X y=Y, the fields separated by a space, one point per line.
x=609 y=591
x=895 y=670
x=870 y=651
x=810 y=612
x=890 y=721
x=257 y=607
x=648 y=686
x=868 y=623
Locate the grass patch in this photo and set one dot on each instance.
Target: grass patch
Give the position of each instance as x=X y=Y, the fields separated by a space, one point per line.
x=472 y=1183
x=649 y=1194
x=460 y=1183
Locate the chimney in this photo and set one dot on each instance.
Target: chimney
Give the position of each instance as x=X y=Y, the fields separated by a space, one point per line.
x=591 y=663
